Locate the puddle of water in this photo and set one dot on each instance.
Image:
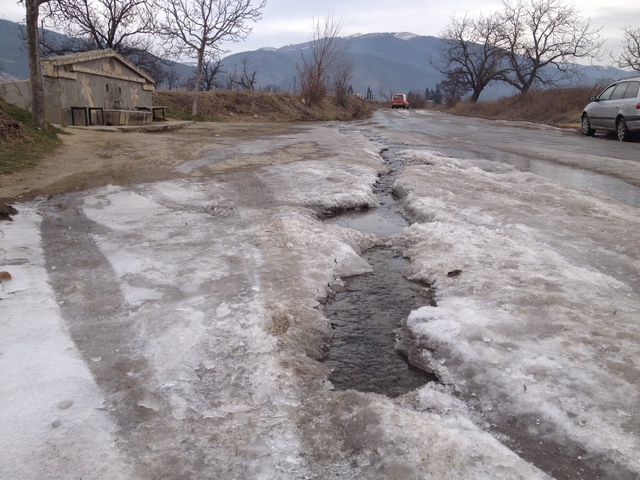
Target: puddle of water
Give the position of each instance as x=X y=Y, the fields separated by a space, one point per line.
x=371 y=221
x=364 y=318
x=383 y=220
x=609 y=186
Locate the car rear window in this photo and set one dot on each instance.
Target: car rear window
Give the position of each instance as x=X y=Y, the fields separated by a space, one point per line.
x=632 y=90
x=618 y=93
x=397 y=97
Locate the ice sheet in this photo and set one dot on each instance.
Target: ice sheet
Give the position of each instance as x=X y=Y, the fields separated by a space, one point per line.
x=195 y=305
x=52 y=412
x=541 y=322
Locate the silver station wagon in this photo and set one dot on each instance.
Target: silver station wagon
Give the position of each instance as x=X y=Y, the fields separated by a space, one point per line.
x=616 y=109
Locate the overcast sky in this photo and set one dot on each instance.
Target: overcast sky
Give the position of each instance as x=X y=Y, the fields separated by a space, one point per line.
x=289 y=21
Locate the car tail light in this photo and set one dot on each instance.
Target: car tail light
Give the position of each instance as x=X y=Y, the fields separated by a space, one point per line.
x=638 y=106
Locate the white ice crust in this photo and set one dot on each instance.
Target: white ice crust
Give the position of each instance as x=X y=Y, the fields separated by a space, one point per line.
x=54 y=424
x=220 y=292
x=542 y=320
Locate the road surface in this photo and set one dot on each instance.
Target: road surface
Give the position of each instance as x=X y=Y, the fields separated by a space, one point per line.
x=170 y=324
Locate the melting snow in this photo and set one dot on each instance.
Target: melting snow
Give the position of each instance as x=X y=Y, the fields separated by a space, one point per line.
x=542 y=322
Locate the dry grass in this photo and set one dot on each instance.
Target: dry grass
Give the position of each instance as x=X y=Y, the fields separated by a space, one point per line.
x=21 y=144
x=561 y=107
x=225 y=106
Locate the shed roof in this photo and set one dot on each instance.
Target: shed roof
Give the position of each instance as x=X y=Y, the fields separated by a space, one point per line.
x=93 y=55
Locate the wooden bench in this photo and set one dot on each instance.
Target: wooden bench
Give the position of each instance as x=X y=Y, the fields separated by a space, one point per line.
x=87 y=114
x=153 y=111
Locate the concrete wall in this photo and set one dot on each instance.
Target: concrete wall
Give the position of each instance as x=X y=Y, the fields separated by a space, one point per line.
x=100 y=82
x=105 y=83
x=16 y=93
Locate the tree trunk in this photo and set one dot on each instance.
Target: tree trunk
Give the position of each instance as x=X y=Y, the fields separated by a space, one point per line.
x=35 y=77
x=194 y=105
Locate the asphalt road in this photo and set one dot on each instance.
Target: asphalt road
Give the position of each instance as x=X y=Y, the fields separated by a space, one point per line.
x=171 y=326
x=530 y=147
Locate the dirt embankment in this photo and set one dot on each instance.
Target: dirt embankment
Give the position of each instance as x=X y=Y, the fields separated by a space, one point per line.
x=560 y=107
x=227 y=106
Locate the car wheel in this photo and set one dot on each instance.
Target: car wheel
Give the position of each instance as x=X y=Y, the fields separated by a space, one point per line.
x=623 y=131
x=586 y=126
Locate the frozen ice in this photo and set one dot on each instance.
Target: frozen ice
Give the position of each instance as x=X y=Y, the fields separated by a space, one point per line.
x=543 y=322
x=48 y=398
x=209 y=331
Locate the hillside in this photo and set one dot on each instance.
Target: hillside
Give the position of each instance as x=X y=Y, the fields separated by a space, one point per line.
x=13 y=56
x=21 y=144
x=383 y=62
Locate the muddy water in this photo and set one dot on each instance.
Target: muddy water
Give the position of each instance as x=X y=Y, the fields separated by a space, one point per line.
x=364 y=318
x=383 y=220
x=366 y=315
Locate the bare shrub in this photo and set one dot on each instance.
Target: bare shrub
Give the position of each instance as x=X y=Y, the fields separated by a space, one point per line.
x=416 y=99
x=341 y=78
x=553 y=106
x=327 y=54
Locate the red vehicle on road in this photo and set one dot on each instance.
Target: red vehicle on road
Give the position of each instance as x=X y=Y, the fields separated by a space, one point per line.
x=399 y=100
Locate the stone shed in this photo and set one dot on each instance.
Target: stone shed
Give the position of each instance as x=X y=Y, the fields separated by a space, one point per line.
x=97 y=87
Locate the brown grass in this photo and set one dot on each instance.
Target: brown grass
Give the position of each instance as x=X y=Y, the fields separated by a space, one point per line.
x=225 y=106
x=561 y=107
x=21 y=144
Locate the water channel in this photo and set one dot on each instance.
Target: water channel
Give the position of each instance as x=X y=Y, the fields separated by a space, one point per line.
x=367 y=313
x=365 y=317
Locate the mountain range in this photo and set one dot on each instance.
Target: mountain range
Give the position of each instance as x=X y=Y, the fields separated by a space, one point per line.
x=383 y=62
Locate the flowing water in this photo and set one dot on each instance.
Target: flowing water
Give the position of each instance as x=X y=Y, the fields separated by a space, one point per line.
x=367 y=313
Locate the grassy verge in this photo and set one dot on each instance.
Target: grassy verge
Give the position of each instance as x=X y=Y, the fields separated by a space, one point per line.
x=21 y=145
x=560 y=107
x=228 y=106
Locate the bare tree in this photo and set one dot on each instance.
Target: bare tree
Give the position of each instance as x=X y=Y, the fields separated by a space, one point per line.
x=631 y=54
x=326 y=53
x=121 y=25
x=231 y=79
x=453 y=88
x=172 y=78
x=247 y=80
x=341 y=77
x=545 y=33
x=36 y=83
x=196 y=28
x=471 y=52
x=210 y=68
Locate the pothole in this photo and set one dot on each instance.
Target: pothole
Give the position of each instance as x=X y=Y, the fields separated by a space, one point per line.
x=367 y=313
x=365 y=317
